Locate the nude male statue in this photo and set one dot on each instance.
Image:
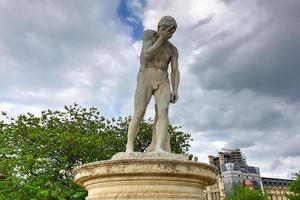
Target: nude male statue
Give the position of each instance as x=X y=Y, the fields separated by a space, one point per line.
x=157 y=52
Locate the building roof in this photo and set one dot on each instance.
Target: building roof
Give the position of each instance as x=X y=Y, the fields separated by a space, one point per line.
x=251 y=169
x=278 y=182
x=238 y=167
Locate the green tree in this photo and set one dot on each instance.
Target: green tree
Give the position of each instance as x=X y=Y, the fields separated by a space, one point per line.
x=294 y=188
x=242 y=193
x=38 y=153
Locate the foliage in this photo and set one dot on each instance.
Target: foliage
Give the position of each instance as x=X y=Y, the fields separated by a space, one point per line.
x=294 y=188
x=242 y=193
x=38 y=153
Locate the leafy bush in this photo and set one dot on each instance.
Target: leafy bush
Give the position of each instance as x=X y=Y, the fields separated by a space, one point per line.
x=38 y=153
x=241 y=193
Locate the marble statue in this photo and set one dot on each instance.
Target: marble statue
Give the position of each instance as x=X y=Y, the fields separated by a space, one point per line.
x=157 y=52
x=161 y=174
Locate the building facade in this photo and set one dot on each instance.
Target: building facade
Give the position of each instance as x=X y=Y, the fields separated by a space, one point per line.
x=216 y=191
x=233 y=170
x=275 y=188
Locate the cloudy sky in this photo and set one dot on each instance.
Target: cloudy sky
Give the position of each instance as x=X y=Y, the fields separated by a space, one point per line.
x=239 y=64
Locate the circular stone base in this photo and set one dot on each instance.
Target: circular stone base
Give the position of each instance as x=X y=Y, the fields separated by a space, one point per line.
x=151 y=155
x=145 y=179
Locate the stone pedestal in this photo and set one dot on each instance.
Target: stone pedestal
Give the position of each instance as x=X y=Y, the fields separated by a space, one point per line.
x=148 y=176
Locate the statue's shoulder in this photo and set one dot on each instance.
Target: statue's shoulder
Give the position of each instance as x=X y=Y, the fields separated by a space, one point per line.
x=148 y=34
x=173 y=48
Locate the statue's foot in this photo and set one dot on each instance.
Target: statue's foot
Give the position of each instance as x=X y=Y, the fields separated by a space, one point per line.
x=129 y=149
x=151 y=148
x=159 y=150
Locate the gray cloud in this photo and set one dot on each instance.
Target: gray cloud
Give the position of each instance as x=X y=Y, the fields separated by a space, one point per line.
x=291 y=146
x=227 y=112
x=256 y=53
x=227 y=1
x=202 y=22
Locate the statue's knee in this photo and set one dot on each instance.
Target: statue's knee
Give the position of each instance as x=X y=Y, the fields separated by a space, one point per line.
x=138 y=117
x=162 y=113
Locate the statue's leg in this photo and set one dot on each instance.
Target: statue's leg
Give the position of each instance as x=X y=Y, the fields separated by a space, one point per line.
x=167 y=145
x=153 y=141
x=162 y=99
x=141 y=100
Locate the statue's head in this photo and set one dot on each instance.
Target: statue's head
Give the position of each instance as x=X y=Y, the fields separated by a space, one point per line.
x=166 y=22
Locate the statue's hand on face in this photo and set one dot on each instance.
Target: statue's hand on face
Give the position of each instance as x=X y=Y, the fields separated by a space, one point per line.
x=166 y=32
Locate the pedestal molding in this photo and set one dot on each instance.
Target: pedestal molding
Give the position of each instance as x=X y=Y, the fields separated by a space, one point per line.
x=145 y=179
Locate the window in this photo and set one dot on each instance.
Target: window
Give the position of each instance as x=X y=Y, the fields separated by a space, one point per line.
x=218 y=195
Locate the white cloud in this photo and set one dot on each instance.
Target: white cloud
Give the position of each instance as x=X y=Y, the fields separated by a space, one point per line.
x=59 y=53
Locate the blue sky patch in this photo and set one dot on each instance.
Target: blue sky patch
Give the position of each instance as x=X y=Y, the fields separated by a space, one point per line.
x=129 y=16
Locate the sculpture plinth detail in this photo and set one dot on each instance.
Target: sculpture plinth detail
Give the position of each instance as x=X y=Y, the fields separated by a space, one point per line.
x=151 y=178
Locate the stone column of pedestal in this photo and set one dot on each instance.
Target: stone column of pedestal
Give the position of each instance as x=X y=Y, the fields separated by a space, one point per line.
x=148 y=176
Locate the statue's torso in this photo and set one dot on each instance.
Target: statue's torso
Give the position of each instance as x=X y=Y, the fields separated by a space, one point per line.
x=161 y=59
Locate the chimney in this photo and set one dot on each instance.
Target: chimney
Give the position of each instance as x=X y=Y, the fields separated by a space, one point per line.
x=210 y=160
x=221 y=158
